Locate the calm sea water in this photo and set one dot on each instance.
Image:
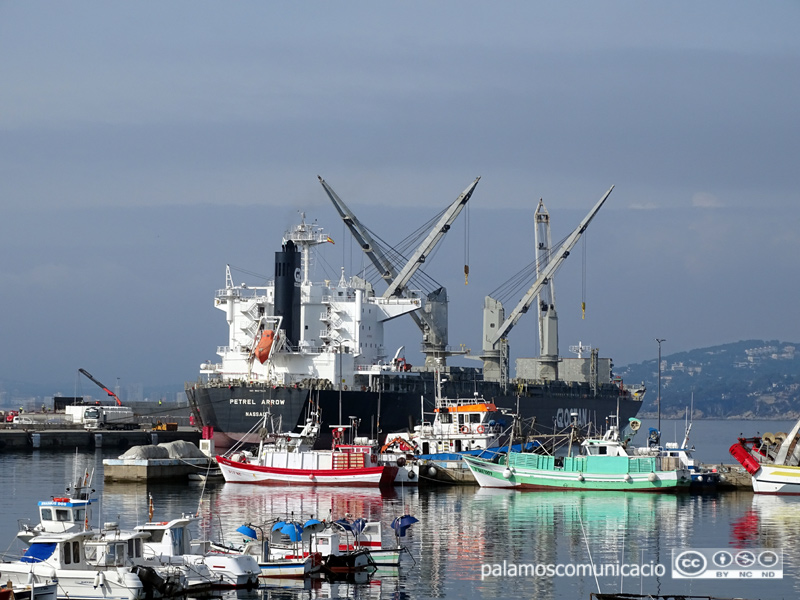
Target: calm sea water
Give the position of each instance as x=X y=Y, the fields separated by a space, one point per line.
x=466 y=535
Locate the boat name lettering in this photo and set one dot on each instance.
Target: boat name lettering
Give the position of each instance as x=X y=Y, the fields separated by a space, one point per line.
x=260 y=415
x=265 y=401
x=564 y=416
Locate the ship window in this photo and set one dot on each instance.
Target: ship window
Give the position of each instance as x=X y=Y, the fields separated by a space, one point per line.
x=80 y=514
x=67 y=553
x=62 y=514
x=602 y=450
x=76 y=552
x=474 y=418
x=445 y=418
x=47 y=514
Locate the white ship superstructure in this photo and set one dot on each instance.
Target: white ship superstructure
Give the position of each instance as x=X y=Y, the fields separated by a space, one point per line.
x=324 y=331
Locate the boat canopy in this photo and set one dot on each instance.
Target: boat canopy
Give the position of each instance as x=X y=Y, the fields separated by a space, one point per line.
x=37 y=553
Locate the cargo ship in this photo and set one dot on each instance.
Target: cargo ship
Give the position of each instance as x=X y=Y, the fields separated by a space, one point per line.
x=294 y=344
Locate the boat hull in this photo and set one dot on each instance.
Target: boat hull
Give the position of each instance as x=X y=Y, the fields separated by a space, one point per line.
x=613 y=477
x=240 y=472
x=232 y=410
x=79 y=584
x=777 y=479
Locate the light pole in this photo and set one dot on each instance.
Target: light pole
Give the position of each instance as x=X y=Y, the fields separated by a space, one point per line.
x=339 y=378
x=659 y=387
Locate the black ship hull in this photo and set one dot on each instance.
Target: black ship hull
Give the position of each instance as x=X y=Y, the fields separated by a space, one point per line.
x=234 y=410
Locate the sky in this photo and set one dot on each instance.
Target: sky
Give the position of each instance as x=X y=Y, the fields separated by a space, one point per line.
x=144 y=146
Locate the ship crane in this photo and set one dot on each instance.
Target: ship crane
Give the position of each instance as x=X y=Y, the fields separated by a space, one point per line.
x=103 y=387
x=496 y=327
x=432 y=321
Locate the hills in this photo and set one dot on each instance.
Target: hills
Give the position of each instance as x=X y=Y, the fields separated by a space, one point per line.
x=752 y=379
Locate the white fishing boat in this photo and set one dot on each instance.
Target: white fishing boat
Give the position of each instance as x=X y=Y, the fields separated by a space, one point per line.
x=289 y=458
x=43 y=591
x=276 y=559
x=369 y=535
x=171 y=543
x=91 y=567
x=773 y=461
x=459 y=426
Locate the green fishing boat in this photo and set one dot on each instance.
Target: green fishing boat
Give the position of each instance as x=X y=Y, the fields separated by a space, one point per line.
x=604 y=463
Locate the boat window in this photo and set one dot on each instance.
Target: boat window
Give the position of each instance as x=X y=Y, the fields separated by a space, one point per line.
x=47 y=514
x=177 y=541
x=156 y=535
x=67 y=553
x=76 y=552
x=62 y=514
x=475 y=418
x=91 y=553
x=602 y=450
x=135 y=548
x=80 y=514
x=445 y=418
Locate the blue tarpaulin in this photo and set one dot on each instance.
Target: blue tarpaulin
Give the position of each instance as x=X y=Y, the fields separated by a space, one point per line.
x=39 y=552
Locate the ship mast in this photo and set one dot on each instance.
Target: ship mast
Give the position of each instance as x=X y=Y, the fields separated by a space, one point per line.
x=548 y=319
x=496 y=328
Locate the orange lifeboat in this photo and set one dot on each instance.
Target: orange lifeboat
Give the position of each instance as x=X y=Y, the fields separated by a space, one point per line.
x=265 y=345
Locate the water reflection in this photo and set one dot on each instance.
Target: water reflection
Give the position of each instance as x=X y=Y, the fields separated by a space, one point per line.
x=460 y=530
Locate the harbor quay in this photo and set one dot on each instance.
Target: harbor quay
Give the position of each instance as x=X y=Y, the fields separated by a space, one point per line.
x=35 y=438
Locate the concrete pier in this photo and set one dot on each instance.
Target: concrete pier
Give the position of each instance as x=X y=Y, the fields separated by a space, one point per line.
x=41 y=438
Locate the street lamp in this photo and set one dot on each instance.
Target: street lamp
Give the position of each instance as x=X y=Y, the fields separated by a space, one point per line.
x=339 y=378
x=659 y=387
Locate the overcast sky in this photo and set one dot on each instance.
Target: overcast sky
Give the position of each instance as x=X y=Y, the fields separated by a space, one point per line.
x=143 y=146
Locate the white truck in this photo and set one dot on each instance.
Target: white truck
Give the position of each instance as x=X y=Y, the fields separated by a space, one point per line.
x=103 y=417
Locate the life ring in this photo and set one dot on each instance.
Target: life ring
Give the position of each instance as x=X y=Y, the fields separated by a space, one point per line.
x=464 y=429
x=481 y=429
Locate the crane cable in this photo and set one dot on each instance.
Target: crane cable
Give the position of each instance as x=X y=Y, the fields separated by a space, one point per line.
x=466 y=245
x=583 y=280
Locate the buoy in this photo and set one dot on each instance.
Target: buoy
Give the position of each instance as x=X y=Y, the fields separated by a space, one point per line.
x=99 y=579
x=652 y=477
x=580 y=477
x=311 y=476
x=411 y=474
x=431 y=471
x=507 y=473
x=627 y=476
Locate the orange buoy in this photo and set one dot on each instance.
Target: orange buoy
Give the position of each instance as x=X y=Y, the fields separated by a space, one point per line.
x=265 y=345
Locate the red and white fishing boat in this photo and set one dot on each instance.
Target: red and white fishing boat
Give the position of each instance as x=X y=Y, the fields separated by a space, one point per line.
x=289 y=458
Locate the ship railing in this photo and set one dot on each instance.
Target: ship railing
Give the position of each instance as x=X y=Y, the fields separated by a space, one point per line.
x=396 y=300
x=242 y=292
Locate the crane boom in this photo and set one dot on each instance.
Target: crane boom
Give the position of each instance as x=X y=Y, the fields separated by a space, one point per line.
x=556 y=260
x=433 y=321
x=362 y=236
x=437 y=233
x=103 y=387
